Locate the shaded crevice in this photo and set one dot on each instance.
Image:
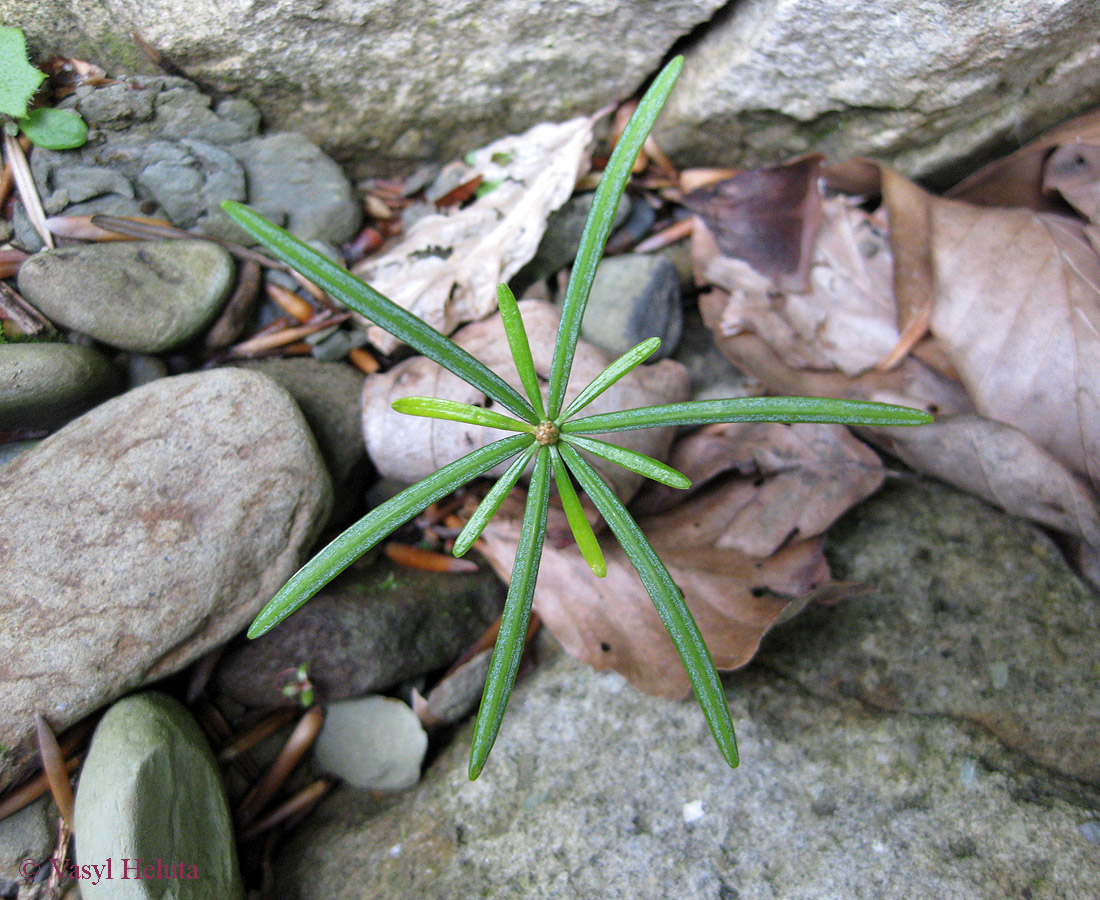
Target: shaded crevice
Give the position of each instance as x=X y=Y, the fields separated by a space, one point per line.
x=1031 y=781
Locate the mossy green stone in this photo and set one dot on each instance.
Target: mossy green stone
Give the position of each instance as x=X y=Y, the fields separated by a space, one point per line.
x=144 y=296
x=151 y=800
x=44 y=385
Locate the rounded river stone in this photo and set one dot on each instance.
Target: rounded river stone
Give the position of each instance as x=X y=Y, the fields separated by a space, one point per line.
x=142 y=535
x=145 y=296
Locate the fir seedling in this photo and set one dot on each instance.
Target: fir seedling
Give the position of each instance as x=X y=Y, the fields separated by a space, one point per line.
x=549 y=435
x=52 y=129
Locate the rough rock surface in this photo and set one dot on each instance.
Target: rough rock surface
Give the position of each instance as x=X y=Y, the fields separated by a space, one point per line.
x=141 y=535
x=329 y=396
x=376 y=625
x=382 y=81
x=594 y=790
x=158 y=147
x=44 y=385
x=927 y=85
x=150 y=790
x=148 y=296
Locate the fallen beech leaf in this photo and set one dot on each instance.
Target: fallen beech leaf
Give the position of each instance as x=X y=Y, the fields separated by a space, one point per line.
x=1073 y=170
x=447 y=267
x=919 y=384
x=1002 y=465
x=796 y=480
x=767 y=217
x=409 y=448
x=845 y=318
x=611 y=623
x=1017 y=179
x=1017 y=310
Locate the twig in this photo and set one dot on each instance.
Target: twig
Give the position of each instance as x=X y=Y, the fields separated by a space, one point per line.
x=300 y=802
x=31 y=790
x=26 y=188
x=300 y=740
x=258 y=732
x=257 y=345
x=148 y=231
x=426 y=560
x=667 y=236
x=53 y=762
x=25 y=317
x=237 y=311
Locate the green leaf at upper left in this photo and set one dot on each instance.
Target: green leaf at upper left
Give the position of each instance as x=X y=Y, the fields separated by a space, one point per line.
x=18 y=78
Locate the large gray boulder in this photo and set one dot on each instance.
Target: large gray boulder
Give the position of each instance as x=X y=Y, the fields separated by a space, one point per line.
x=142 y=535
x=927 y=85
x=594 y=790
x=389 y=82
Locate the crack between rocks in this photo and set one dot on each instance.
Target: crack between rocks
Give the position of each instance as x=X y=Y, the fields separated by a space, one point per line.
x=1032 y=781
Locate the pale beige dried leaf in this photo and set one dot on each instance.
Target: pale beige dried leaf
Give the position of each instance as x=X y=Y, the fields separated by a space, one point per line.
x=611 y=623
x=795 y=481
x=846 y=321
x=447 y=267
x=1073 y=170
x=920 y=385
x=1017 y=310
x=1002 y=465
x=409 y=448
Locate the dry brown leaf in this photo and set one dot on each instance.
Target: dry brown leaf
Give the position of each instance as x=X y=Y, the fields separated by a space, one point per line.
x=1017 y=310
x=1017 y=179
x=846 y=319
x=409 y=448
x=767 y=217
x=795 y=481
x=920 y=384
x=610 y=623
x=447 y=267
x=1002 y=465
x=1073 y=170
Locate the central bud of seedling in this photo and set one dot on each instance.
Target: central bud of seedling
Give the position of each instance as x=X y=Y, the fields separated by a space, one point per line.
x=546 y=433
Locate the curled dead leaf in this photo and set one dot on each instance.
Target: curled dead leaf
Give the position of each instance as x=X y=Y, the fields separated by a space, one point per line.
x=447 y=267
x=409 y=448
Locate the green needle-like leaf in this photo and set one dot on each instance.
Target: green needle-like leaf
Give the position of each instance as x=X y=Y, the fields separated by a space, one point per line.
x=364 y=299
x=668 y=601
x=521 y=348
x=598 y=227
x=630 y=459
x=377 y=524
x=578 y=521
x=517 y=612
x=624 y=364
x=750 y=409
x=489 y=506
x=435 y=408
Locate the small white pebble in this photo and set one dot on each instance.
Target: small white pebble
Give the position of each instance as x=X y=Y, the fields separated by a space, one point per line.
x=693 y=811
x=395 y=851
x=1090 y=831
